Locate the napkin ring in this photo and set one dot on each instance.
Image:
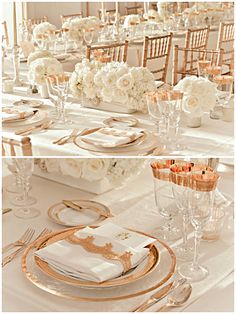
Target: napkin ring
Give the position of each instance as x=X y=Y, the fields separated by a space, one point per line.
x=106 y=250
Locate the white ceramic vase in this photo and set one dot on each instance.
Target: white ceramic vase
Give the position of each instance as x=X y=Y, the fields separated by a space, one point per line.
x=194 y=122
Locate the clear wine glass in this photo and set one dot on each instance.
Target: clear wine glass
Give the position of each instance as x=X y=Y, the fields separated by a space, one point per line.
x=201 y=199
x=25 y=168
x=88 y=35
x=180 y=174
x=154 y=111
x=224 y=88
x=165 y=202
x=15 y=186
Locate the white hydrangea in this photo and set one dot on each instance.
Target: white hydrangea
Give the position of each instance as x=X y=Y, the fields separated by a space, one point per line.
x=39 y=54
x=43 y=28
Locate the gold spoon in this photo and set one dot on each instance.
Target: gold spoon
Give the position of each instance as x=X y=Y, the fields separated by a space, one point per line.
x=177 y=297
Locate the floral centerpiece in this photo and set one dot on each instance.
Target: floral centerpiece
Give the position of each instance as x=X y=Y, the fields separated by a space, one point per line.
x=39 y=69
x=77 y=26
x=199 y=95
x=43 y=29
x=113 y=82
x=88 y=174
x=39 y=54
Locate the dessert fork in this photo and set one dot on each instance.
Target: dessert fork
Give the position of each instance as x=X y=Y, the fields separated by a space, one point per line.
x=24 y=239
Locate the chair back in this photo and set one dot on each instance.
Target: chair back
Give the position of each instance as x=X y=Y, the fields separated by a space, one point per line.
x=197 y=37
x=182 y=67
x=226 y=41
x=11 y=147
x=116 y=52
x=157 y=47
x=37 y=20
x=134 y=10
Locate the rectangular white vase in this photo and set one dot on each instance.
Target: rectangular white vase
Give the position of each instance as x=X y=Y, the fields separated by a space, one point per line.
x=106 y=106
x=96 y=187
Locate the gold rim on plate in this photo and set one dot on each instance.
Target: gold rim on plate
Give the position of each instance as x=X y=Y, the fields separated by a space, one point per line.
x=53 y=212
x=71 y=292
x=129 y=121
x=131 y=276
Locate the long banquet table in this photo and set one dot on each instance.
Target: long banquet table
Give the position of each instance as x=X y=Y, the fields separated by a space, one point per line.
x=214 y=137
x=135 y=209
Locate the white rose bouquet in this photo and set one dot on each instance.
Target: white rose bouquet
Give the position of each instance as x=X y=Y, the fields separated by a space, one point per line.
x=77 y=26
x=39 y=54
x=41 y=68
x=199 y=95
x=43 y=28
x=112 y=82
x=116 y=170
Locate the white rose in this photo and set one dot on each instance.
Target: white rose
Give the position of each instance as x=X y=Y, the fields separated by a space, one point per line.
x=71 y=167
x=88 y=79
x=106 y=94
x=95 y=169
x=98 y=79
x=90 y=92
x=192 y=106
x=52 y=165
x=137 y=74
x=125 y=82
x=110 y=79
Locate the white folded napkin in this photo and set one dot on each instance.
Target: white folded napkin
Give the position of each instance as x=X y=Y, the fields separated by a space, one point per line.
x=19 y=112
x=73 y=260
x=112 y=137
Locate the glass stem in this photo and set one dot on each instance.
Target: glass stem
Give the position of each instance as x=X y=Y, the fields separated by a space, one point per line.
x=197 y=238
x=26 y=187
x=167 y=122
x=185 y=234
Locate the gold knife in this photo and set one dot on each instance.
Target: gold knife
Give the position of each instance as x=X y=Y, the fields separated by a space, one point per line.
x=158 y=296
x=74 y=205
x=6 y=210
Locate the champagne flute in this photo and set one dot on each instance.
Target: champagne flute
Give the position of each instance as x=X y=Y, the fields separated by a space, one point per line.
x=25 y=168
x=201 y=198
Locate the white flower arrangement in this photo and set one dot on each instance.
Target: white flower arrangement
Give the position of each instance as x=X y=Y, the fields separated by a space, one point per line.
x=112 y=82
x=116 y=170
x=39 y=54
x=78 y=25
x=199 y=95
x=43 y=28
x=154 y=14
x=41 y=68
x=132 y=18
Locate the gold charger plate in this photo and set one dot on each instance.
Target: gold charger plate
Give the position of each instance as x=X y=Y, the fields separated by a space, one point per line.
x=133 y=275
x=157 y=278
x=129 y=121
x=149 y=143
x=88 y=205
x=131 y=143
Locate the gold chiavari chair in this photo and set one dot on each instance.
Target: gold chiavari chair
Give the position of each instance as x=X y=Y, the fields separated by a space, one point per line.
x=9 y=146
x=116 y=52
x=5 y=36
x=197 y=37
x=157 y=47
x=133 y=10
x=65 y=18
x=37 y=20
x=226 y=42
x=182 y=69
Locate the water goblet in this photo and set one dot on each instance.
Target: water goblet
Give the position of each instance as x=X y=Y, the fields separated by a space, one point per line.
x=201 y=199
x=154 y=111
x=180 y=173
x=224 y=88
x=14 y=187
x=25 y=168
x=164 y=201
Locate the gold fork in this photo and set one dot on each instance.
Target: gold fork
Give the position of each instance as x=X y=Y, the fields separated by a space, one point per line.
x=63 y=140
x=13 y=255
x=24 y=239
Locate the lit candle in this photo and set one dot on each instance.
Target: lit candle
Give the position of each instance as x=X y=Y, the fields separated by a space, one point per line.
x=14 y=24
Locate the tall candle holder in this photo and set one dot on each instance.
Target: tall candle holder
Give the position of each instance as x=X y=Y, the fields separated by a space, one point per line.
x=16 y=79
x=116 y=33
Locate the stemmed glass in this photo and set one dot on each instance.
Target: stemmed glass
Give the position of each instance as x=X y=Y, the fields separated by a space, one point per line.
x=88 y=35
x=154 y=111
x=59 y=84
x=224 y=87
x=180 y=173
x=201 y=198
x=24 y=167
x=212 y=71
x=202 y=65
x=14 y=187
x=164 y=201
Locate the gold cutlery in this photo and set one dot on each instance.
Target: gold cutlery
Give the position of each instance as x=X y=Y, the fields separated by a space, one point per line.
x=24 y=239
x=74 y=205
x=63 y=140
x=13 y=255
x=158 y=296
x=177 y=297
x=38 y=127
x=6 y=210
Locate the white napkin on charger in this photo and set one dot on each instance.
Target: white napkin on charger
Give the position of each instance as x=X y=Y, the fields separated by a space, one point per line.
x=73 y=260
x=13 y=112
x=112 y=137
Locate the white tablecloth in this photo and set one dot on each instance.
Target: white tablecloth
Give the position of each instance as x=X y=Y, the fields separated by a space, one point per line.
x=134 y=209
